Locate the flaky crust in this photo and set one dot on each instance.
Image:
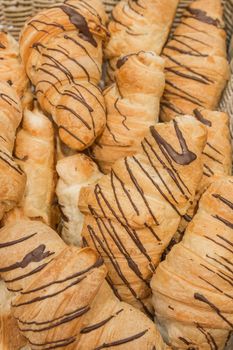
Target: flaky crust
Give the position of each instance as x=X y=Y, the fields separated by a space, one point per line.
x=11 y=68
x=35 y=150
x=217 y=156
x=12 y=178
x=132 y=106
x=63 y=60
x=132 y=213
x=138 y=25
x=74 y=172
x=10 y=337
x=64 y=300
x=196 y=66
x=192 y=289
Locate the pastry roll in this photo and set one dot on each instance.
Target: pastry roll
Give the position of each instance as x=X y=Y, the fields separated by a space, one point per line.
x=132 y=213
x=70 y=282
x=132 y=104
x=63 y=60
x=217 y=156
x=12 y=178
x=74 y=172
x=138 y=26
x=11 y=68
x=192 y=288
x=196 y=65
x=34 y=150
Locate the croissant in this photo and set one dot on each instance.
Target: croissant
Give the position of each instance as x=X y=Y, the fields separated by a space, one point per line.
x=192 y=288
x=138 y=25
x=12 y=178
x=217 y=156
x=132 y=213
x=63 y=60
x=34 y=150
x=11 y=68
x=74 y=172
x=132 y=106
x=196 y=66
x=70 y=282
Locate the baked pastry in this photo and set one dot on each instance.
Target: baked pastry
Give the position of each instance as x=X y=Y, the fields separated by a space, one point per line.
x=12 y=178
x=10 y=337
x=109 y=5
x=35 y=151
x=70 y=282
x=196 y=66
x=74 y=172
x=217 y=156
x=132 y=213
x=11 y=68
x=138 y=26
x=63 y=60
x=192 y=288
x=132 y=104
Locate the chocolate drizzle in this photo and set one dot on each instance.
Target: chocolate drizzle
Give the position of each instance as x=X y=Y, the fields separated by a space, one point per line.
x=201 y=119
x=203 y=299
x=80 y=23
x=72 y=316
x=184 y=158
x=122 y=341
x=202 y=16
x=38 y=254
x=9 y=244
x=99 y=324
x=223 y=200
x=121 y=62
x=97 y=264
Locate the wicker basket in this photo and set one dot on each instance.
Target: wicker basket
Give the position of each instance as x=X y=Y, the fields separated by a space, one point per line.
x=13 y=14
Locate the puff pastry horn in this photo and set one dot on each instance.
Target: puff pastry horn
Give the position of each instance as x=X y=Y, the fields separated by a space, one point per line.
x=217 y=156
x=132 y=213
x=12 y=178
x=63 y=299
x=74 y=172
x=192 y=288
x=138 y=25
x=196 y=66
x=11 y=68
x=132 y=106
x=35 y=150
x=63 y=60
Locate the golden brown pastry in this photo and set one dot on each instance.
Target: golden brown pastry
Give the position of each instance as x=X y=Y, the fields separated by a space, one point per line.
x=192 y=288
x=132 y=213
x=109 y=5
x=35 y=151
x=196 y=66
x=138 y=25
x=132 y=104
x=11 y=68
x=10 y=337
x=62 y=50
x=63 y=300
x=217 y=156
x=12 y=178
x=74 y=172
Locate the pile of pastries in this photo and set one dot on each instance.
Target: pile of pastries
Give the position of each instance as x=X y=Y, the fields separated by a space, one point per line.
x=116 y=194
